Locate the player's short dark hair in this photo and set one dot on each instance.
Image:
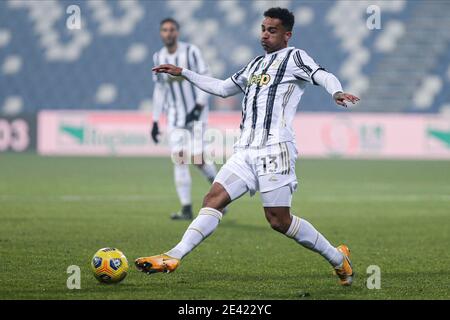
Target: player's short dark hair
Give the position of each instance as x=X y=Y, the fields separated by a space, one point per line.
x=171 y=20
x=287 y=17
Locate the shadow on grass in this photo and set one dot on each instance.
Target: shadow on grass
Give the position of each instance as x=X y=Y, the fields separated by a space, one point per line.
x=236 y=224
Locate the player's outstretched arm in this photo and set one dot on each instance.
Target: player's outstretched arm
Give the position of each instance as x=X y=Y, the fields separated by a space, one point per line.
x=222 y=88
x=334 y=87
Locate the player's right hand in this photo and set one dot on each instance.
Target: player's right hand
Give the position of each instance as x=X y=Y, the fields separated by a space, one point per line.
x=155 y=132
x=168 y=68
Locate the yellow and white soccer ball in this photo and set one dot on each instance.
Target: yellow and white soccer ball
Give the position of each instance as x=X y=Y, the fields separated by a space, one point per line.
x=109 y=265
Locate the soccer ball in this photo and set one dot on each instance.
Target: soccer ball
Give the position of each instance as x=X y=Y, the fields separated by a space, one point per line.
x=109 y=265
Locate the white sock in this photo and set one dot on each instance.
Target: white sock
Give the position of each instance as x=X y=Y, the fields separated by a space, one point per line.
x=206 y=222
x=183 y=183
x=304 y=233
x=209 y=171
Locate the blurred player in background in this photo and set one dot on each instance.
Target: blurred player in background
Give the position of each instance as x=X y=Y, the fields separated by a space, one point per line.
x=265 y=154
x=187 y=110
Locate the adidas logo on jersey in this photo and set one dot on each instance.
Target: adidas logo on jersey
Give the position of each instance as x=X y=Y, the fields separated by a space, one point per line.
x=276 y=64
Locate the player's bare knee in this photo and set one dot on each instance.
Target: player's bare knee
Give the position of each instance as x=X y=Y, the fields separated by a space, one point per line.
x=276 y=225
x=212 y=200
x=216 y=198
x=278 y=219
x=208 y=199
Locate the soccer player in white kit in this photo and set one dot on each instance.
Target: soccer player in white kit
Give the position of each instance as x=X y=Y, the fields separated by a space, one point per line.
x=265 y=155
x=187 y=110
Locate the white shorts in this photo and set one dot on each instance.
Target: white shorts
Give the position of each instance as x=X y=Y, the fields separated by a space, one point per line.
x=262 y=170
x=190 y=141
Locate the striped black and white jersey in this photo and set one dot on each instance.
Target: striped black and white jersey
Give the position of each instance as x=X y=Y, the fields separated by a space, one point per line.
x=176 y=95
x=273 y=86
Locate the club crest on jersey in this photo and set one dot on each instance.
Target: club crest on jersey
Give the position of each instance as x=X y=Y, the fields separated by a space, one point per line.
x=259 y=80
x=274 y=64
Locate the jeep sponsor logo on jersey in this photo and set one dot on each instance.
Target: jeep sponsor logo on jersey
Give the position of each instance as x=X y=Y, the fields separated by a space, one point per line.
x=259 y=80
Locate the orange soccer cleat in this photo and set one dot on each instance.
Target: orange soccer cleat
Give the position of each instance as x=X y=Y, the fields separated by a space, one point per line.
x=345 y=270
x=158 y=263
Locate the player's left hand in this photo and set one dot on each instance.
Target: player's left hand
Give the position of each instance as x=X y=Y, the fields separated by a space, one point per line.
x=194 y=115
x=341 y=97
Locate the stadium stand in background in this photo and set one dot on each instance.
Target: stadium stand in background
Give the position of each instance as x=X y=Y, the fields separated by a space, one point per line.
x=402 y=67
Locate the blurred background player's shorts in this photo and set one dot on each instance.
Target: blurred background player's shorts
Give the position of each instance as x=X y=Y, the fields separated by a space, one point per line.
x=189 y=141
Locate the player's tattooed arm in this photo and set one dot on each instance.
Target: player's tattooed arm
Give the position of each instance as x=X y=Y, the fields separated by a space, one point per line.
x=342 y=97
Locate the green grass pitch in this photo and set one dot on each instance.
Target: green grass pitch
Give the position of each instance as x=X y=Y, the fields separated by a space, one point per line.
x=57 y=212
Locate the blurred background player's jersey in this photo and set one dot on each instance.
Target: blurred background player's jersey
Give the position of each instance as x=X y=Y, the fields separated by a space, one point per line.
x=177 y=95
